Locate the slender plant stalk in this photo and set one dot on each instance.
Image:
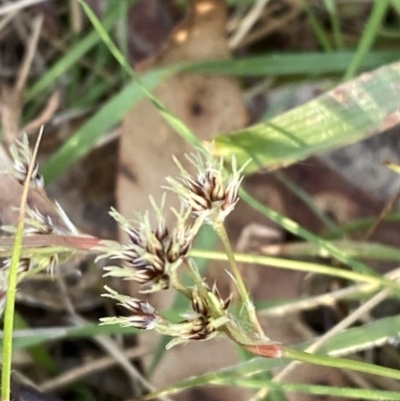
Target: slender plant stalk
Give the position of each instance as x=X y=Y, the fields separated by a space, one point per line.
x=341 y=363
x=12 y=284
x=370 y=33
x=335 y=21
x=174 y=121
x=244 y=294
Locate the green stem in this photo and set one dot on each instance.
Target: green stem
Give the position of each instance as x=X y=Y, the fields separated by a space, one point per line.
x=9 y=316
x=370 y=33
x=177 y=284
x=244 y=295
x=12 y=285
x=340 y=363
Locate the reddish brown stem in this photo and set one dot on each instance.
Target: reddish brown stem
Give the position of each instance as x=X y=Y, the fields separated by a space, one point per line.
x=83 y=242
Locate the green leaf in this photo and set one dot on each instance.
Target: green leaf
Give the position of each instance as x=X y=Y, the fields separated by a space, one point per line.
x=353 y=111
x=293 y=64
x=378 y=13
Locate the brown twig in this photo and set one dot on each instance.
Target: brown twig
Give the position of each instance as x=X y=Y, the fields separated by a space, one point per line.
x=76 y=242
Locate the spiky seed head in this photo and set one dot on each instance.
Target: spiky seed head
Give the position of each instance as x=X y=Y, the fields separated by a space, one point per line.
x=211 y=194
x=151 y=255
x=143 y=315
x=142 y=322
x=198 y=303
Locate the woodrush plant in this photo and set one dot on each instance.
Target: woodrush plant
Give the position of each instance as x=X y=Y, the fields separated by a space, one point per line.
x=153 y=255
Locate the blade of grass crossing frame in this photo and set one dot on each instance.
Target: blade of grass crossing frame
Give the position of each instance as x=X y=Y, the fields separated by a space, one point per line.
x=12 y=282
x=175 y=122
x=308 y=201
x=317 y=27
x=296 y=229
x=39 y=336
x=358 y=249
x=115 y=109
x=308 y=64
x=348 y=113
x=335 y=22
x=296 y=265
x=370 y=32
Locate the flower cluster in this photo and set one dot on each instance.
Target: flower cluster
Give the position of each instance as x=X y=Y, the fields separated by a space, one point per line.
x=212 y=194
x=35 y=222
x=202 y=323
x=203 y=319
x=142 y=315
x=153 y=254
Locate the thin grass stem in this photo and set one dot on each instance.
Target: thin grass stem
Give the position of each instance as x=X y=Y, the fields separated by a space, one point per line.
x=244 y=294
x=12 y=283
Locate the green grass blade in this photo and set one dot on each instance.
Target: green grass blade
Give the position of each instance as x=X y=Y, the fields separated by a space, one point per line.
x=363 y=224
x=335 y=21
x=318 y=28
x=39 y=352
x=293 y=64
x=296 y=265
x=12 y=280
x=308 y=200
x=296 y=229
x=351 y=112
x=379 y=11
x=177 y=124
